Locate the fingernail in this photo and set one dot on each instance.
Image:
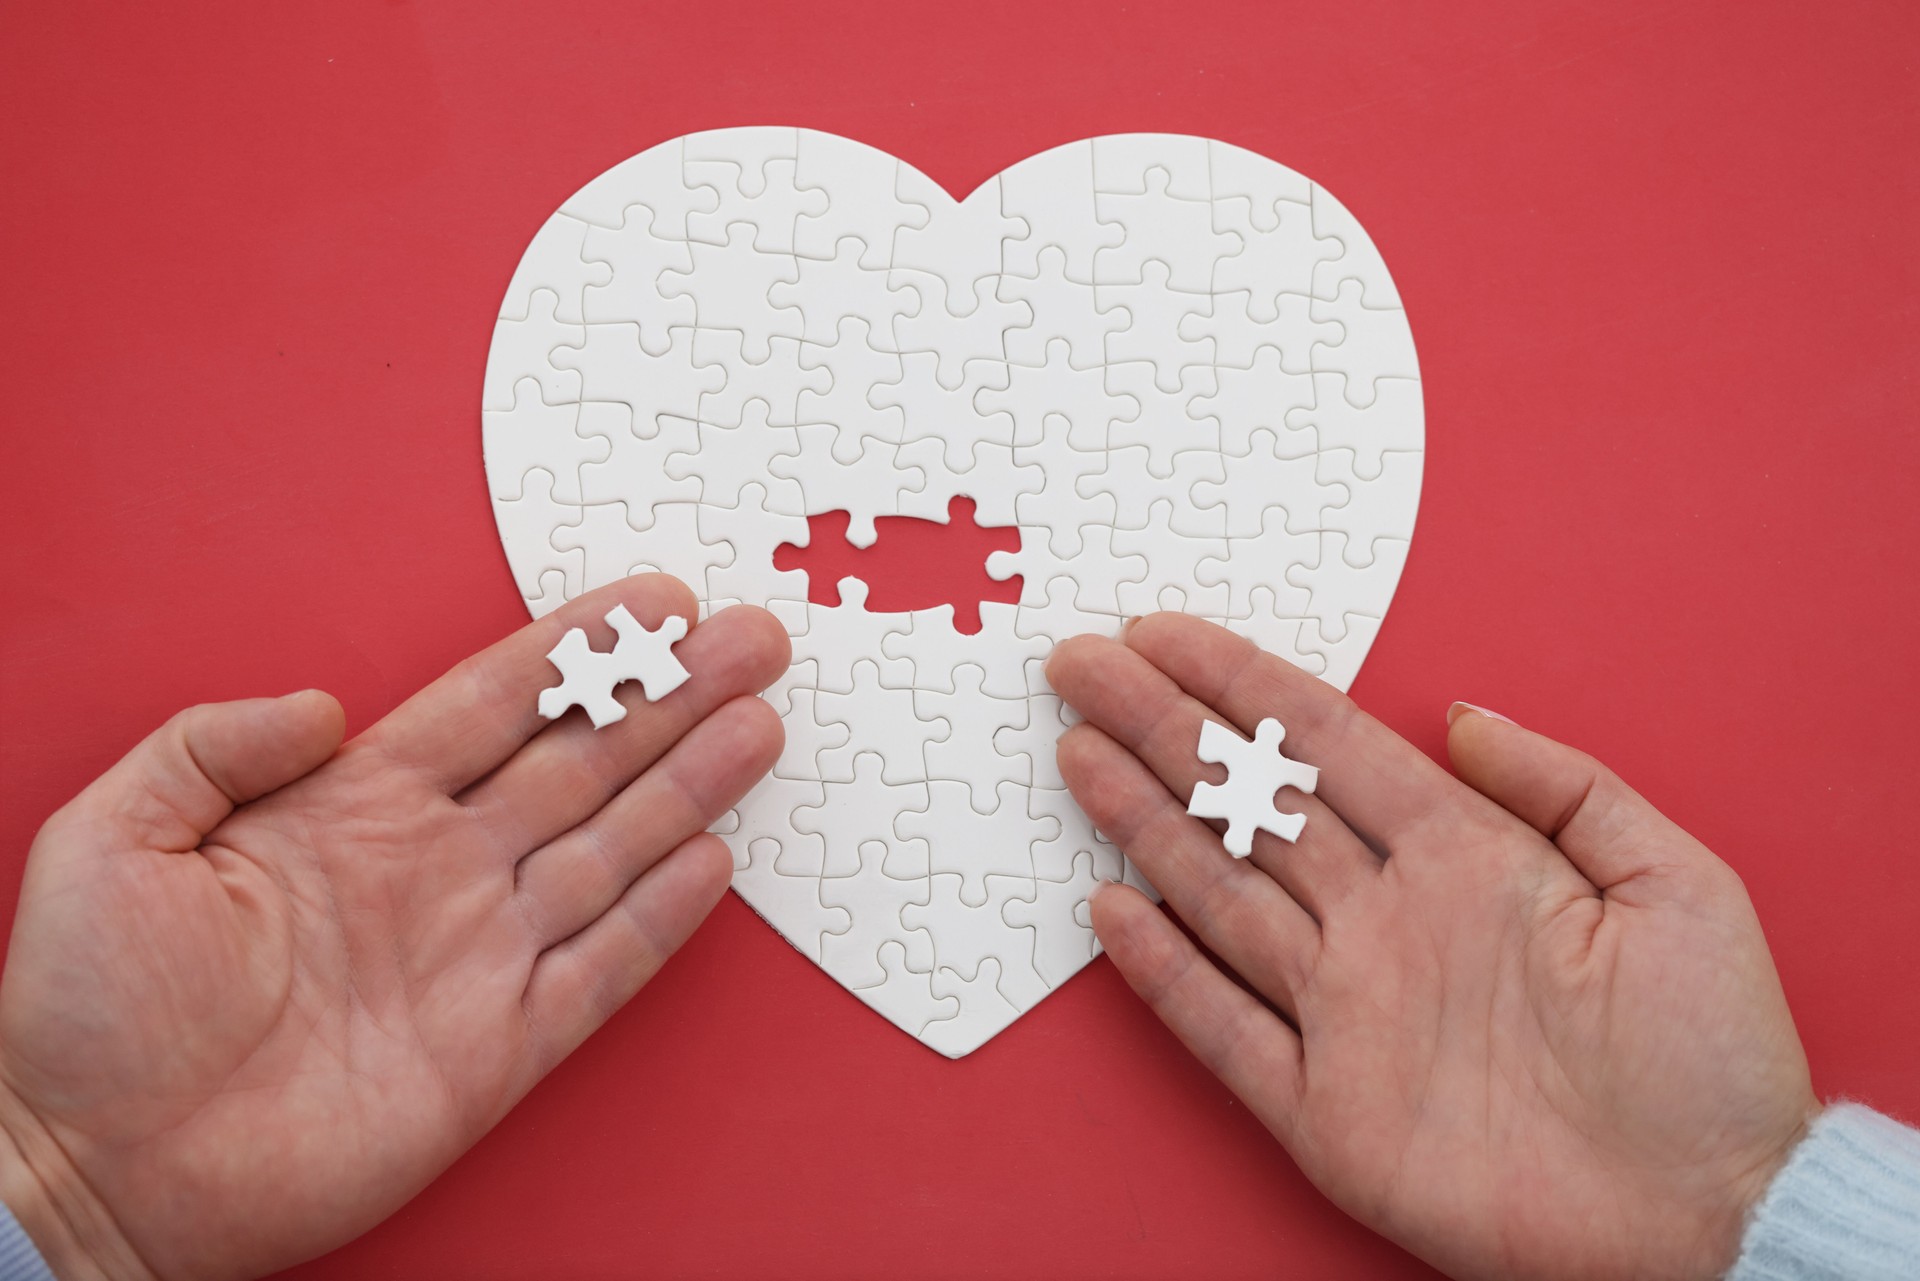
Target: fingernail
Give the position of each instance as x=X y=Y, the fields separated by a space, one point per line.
x=1458 y=710
x=1127 y=626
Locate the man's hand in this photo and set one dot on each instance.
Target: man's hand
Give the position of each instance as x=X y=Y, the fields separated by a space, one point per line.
x=1521 y=1024
x=263 y=987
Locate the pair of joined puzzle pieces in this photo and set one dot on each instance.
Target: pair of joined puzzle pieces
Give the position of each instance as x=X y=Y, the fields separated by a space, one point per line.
x=588 y=676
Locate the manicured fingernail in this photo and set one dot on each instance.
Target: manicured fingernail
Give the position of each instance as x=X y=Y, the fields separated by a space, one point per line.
x=1458 y=710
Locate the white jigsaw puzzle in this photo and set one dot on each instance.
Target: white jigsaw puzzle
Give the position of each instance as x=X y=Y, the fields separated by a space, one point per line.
x=1181 y=369
x=639 y=653
x=1256 y=772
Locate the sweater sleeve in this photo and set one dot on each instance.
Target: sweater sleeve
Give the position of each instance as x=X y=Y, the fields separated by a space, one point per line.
x=1845 y=1207
x=19 y=1260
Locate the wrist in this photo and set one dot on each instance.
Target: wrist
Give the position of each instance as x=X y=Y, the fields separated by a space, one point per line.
x=1847 y=1203
x=1750 y=1188
x=70 y=1226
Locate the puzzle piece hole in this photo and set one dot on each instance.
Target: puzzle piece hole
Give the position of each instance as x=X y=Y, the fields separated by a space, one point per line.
x=913 y=564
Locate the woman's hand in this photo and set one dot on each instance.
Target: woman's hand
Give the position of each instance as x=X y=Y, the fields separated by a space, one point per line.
x=263 y=987
x=1519 y=1023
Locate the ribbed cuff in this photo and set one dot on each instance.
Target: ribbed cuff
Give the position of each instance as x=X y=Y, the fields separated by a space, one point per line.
x=1845 y=1207
x=19 y=1260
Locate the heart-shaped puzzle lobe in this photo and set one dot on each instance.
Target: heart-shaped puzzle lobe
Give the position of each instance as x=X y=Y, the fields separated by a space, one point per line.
x=1179 y=368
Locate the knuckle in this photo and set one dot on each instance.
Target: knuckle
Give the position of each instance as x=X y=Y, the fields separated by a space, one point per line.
x=1163 y=963
x=650 y=949
x=1158 y=716
x=1155 y=828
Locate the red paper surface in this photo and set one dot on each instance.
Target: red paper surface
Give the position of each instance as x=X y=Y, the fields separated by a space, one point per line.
x=1660 y=264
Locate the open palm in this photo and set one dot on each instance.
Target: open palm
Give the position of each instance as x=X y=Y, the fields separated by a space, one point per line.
x=263 y=987
x=1521 y=1024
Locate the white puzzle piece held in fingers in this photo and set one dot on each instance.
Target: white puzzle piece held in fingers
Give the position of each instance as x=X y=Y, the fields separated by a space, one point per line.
x=1180 y=368
x=1256 y=772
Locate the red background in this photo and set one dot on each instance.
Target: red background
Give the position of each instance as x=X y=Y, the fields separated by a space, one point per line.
x=1660 y=265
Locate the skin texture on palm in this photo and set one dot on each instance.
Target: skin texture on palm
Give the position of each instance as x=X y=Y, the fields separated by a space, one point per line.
x=263 y=986
x=1516 y=1021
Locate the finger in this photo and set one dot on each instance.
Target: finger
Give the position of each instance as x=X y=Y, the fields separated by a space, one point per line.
x=564 y=885
x=186 y=776
x=1382 y=785
x=1248 y=920
x=1138 y=705
x=1253 y=1053
x=1608 y=831
x=577 y=985
x=479 y=713
x=570 y=769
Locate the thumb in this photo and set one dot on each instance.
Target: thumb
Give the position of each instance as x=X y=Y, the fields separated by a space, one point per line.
x=188 y=775
x=1608 y=831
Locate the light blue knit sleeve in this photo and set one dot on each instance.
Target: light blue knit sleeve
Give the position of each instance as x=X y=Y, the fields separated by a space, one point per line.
x=19 y=1261
x=1845 y=1207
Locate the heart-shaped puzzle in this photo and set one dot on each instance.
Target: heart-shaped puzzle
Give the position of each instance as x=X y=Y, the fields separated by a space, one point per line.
x=1179 y=368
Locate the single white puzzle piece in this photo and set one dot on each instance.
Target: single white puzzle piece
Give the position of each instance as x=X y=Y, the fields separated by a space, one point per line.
x=1063 y=939
x=1256 y=772
x=1181 y=369
x=891 y=731
x=984 y=1009
x=1003 y=836
x=527 y=520
x=892 y=880
x=905 y=996
x=963 y=936
x=588 y=675
x=811 y=925
x=971 y=715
